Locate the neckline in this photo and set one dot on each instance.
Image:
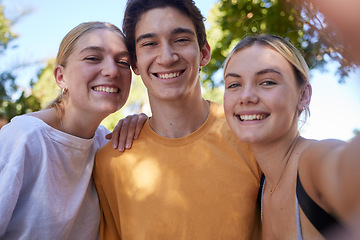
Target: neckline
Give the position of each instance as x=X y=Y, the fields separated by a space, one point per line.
x=188 y=138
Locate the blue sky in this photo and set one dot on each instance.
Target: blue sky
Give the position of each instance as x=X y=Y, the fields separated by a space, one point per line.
x=335 y=108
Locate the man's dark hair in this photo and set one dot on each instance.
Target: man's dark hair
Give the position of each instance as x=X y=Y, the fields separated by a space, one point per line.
x=135 y=8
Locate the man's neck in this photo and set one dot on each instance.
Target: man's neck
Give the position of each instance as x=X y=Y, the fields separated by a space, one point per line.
x=178 y=119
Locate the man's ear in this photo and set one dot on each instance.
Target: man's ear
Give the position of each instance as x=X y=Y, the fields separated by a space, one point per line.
x=205 y=54
x=305 y=97
x=59 y=76
x=134 y=67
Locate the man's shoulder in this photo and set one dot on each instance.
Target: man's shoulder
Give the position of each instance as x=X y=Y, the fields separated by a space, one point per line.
x=217 y=109
x=217 y=116
x=107 y=151
x=220 y=126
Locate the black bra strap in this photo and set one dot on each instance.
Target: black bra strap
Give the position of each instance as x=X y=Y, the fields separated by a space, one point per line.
x=259 y=197
x=321 y=220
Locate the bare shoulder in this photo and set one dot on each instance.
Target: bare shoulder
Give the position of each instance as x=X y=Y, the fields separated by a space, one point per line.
x=319 y=166
x=318 y=153
x=329 y=171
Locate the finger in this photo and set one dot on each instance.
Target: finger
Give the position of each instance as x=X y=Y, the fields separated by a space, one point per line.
x=131 y=131
x=139 y=125
x=115 y=134
x=123 y=133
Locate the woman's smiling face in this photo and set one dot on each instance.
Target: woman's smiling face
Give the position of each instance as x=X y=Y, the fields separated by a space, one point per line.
x=97 y=73
x=261 y=95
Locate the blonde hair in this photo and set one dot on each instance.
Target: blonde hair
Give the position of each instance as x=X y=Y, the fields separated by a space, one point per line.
x=68 y=44
x=285 y=48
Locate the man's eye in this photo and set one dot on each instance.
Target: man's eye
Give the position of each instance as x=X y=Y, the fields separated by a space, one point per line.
x=148 y=44
x=182 y=40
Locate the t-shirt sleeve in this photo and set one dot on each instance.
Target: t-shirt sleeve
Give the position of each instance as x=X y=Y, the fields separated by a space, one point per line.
x=12 y=155
x=100 y=134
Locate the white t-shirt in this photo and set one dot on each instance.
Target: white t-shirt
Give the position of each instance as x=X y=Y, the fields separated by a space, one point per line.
x=46 y=187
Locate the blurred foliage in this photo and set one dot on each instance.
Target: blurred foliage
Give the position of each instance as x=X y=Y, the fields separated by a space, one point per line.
x=297 y=21
x=332 y=44
x=214 y=94
x=7 y=79
x=6 y=35
x=45 y=89
x=26 y=102
x=356 y=132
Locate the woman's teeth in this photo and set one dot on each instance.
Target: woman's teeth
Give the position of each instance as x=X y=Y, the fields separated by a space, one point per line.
x=106 y=89
x=252 y=117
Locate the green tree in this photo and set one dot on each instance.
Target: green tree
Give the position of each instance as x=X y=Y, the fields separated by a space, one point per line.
x=45 y=89
x=297 y=21
x=7 y=79
x=356 y=132
x=26 y=103
x=20 y=106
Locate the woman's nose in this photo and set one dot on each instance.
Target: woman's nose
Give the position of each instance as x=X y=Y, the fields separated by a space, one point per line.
x=248 y=95
x=110 y=69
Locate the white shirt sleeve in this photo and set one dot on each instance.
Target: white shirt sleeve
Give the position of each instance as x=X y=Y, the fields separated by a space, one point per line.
x=12 y=156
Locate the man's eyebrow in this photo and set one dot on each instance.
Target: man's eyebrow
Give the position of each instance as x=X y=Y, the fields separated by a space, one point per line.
x=146 y=35
x=182 y=30
x=174 y=31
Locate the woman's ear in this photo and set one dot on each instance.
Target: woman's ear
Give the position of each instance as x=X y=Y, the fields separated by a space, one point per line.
x=59 y=76
x=305 y=97
x=205 y=54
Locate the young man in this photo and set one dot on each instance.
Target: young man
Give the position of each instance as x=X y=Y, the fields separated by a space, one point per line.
x=187 y=176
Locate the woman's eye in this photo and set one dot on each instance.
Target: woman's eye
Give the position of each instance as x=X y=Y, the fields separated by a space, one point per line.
x=92 y=59
x=124 y=63
x=268 y=83
x=234 y=85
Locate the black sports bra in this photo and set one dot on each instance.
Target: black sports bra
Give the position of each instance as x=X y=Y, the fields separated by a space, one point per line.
x=321 y=220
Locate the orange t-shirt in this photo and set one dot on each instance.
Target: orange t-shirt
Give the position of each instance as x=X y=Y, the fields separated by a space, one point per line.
x=203 y=186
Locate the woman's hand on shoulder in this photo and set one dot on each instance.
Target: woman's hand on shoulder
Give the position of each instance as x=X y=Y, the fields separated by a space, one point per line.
x=127 y=130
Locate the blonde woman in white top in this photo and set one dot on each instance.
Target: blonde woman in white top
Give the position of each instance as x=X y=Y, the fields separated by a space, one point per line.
x=46 y=157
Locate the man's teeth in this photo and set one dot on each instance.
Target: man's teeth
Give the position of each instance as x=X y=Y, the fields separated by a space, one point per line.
x=106 y=89
x=252 y=117
x=168 y=75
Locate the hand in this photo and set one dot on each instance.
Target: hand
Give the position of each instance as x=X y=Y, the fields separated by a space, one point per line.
x=127 y=130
